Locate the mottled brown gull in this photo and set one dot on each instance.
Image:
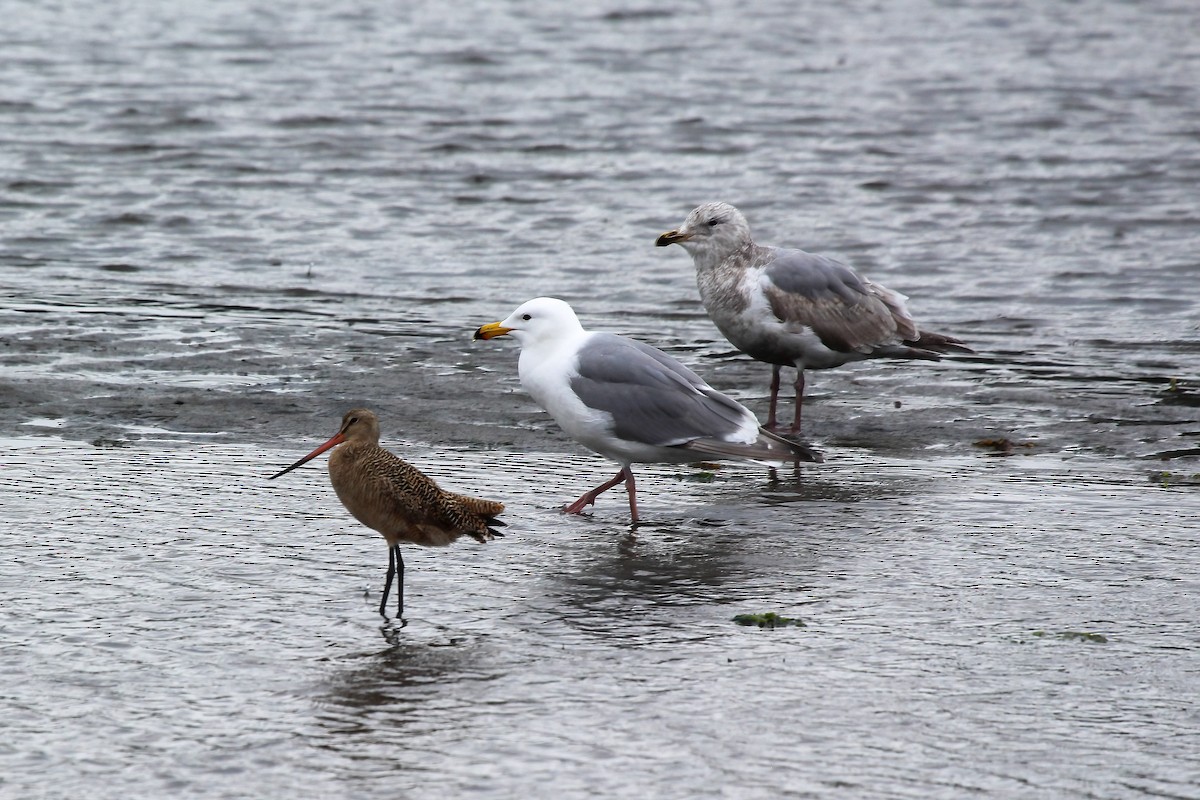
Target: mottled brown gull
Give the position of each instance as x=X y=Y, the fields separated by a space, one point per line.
x=792 y=308
x=627 y=400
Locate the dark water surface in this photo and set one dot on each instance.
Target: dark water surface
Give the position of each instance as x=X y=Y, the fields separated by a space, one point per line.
x=222 y=224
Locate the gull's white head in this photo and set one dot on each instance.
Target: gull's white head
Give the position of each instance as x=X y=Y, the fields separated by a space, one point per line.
x=542 y=319
x=712 y=232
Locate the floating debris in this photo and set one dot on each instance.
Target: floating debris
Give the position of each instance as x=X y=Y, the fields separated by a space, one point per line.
x=1002 y=446
x=104 y=441
x=1081 y=636
x=768 y=620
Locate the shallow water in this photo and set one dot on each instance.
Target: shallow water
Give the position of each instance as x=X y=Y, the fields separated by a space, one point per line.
x=177 y=624
x=224 y=224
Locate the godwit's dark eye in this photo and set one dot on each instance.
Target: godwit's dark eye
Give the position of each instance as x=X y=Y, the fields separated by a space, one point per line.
x=353 y=420
x=526 y=317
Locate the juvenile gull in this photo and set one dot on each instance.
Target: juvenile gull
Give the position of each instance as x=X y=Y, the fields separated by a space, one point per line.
x=627 y=400
x=792 y=308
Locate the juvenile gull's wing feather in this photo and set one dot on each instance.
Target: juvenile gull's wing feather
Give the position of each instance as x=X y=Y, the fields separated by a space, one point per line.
x=652 y=398
x=847 y=312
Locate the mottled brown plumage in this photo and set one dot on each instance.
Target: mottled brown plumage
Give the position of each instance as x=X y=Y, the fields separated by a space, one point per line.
x=791 y=308
x=389 y=495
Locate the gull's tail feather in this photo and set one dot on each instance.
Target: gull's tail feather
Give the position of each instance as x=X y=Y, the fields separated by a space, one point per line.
x=940 y=343
x=790 y=449
x=768 y=447
x=904 y=351
x=929 y=347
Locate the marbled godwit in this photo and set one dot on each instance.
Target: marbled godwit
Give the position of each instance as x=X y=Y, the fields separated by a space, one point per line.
x=391 y=496
x=790 y=308
x=627 y=400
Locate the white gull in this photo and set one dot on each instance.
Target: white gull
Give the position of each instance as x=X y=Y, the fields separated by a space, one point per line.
x=627 y=400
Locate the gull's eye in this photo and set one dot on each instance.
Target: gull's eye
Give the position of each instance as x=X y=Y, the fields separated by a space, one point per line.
x=526 y=317
x=714 y=222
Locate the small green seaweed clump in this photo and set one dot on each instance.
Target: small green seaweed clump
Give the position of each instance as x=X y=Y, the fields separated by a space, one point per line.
x=768 y=620
x=1168 y=479
x=1180 y=393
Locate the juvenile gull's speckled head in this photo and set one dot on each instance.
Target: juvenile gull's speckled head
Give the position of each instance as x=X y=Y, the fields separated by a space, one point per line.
x=711 y=233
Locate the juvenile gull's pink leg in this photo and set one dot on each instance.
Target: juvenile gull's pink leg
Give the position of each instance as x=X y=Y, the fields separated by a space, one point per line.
x=771 y=424
x=799 y=400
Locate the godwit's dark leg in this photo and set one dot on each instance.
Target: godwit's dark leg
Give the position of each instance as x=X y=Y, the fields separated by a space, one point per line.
x=387 y=584
x=590 y=498
x=799 y=400
x=399 y=584
x=771 y=424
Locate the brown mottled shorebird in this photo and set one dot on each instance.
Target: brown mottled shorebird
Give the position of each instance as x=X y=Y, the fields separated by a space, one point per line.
x=790 y=308
x=386 y=493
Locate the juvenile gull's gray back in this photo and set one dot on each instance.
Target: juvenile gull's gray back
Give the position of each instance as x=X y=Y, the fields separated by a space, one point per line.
x=791 y=308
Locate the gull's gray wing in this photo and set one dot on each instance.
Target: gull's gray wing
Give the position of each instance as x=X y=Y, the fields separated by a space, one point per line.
x=847 y=311
x=653 y=399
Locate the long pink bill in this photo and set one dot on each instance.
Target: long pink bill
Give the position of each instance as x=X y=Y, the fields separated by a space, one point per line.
x=337 y=439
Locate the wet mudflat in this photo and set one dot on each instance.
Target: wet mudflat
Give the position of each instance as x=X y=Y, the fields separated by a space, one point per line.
x=224 y=228
x=970 y=625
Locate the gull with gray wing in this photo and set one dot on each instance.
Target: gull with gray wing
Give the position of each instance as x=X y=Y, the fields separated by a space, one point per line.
x=790 y=308
x=627 y=400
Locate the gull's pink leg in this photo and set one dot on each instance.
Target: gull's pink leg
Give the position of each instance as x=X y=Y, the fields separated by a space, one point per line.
x=590 y=498
x=799 y=400
x=771 y=424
